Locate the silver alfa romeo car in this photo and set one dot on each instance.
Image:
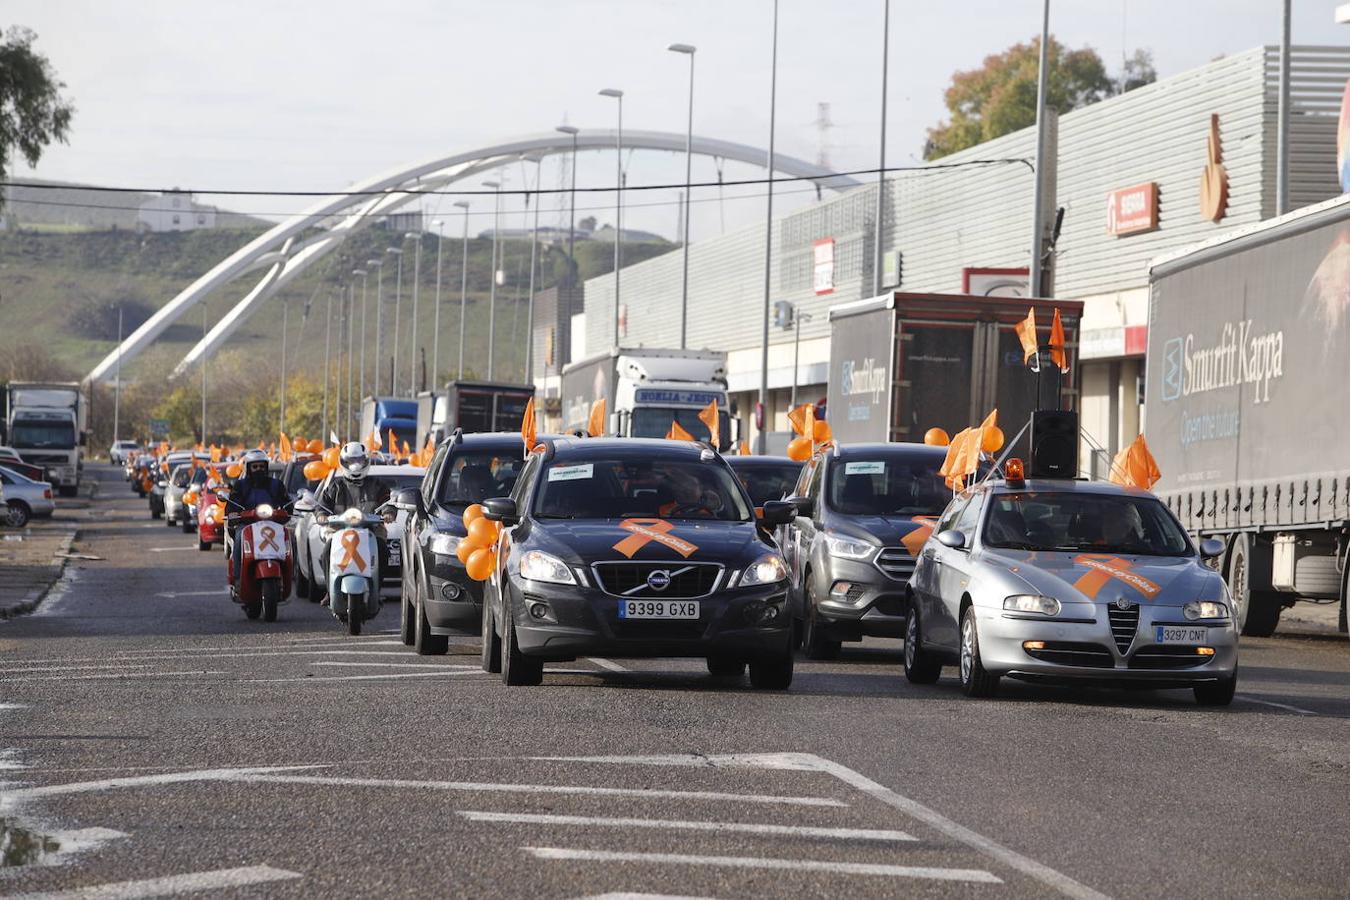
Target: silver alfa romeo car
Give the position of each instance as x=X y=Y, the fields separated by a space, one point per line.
x=1069 y=580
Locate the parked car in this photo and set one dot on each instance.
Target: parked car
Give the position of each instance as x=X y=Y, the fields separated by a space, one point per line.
x=118 y=452
x=25 y=498
x=176 y=512
x=766 y=477
x=863 y=513
x=1069 y=580
x=159 y=473
x=439 y=598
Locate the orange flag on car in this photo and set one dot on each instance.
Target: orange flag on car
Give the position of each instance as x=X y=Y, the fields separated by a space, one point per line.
x=1134 y=466
x=287 y=451
x=595 y=425
x=373 y=442
x=708 y=416
x=393 y=441
x=797 y=419
x=1026 y=333
x=1057 y=353
x=215 y=454
x=676 y=433
x=529 y=431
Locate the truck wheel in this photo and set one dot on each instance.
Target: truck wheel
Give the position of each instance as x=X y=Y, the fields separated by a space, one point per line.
x=17 y=513
x=1218 y=693
x=975 y=680
x=1258 y=611
x=921 y=667
x=271 y=596
x=815 y=643
x=517 y=668
x=492 y=645
x=426 y=643
x=771 y=673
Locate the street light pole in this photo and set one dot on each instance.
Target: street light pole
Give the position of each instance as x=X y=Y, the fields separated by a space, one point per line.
x=285 y=330
x=365 y=335
x=688 y=49
x=572 y=219
x=492 y=290
x=379 y=321
x=117 y=385
x=1038 y=192
x=534 y=256
x=1282 y=121
x=417 y=281
x=881 y=166
x=436 y=319
x=398 y=309
x=768 y=247
x=204 y=377
x=463 y=282
x=351 y=346
x=327 y=341
x=618 y=205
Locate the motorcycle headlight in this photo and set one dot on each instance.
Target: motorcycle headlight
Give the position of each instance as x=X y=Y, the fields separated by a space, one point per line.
x=1031 y=603
x=445 y=544
x=765 y=570
x=210 y=517
x=264 y=510
x=1205 y=609
x=537 y=565
x=848 y=548
x=353 y=516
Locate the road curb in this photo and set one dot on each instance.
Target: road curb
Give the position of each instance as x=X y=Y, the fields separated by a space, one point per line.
x=30 y=601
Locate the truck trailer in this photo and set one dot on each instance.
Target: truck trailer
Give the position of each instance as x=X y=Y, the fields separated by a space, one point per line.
x=903 y=363
x=1245 y=408
x=48 y=427
x=385 y=414
x=646 y=389
x=472 y=406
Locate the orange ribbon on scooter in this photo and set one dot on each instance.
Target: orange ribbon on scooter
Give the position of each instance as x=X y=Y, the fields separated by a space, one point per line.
x=351 y=550
x=269 y=539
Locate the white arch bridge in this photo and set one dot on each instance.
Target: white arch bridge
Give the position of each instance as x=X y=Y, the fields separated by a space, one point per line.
x=289 y=248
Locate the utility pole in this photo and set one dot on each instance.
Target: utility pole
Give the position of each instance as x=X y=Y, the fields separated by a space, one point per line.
x=1034 y=288
x=117 y=386
x=398 y=308
x=351 y=337
x=417 y=282
x=203 y=377
x=881 y=167
x=285 y=321
x=768 y=248
x=534 y=249
x=617 y=95
x=463 y=283
x=379 y=322
x=327 y=344
x=1282 y=122
x=436 y=319
x=689 y=50
x=492 y=291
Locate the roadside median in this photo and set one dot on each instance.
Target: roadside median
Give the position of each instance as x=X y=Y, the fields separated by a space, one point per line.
x=33 y=558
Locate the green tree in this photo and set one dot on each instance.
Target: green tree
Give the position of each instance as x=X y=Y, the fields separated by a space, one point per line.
x=1000 y=97
x=32 y=111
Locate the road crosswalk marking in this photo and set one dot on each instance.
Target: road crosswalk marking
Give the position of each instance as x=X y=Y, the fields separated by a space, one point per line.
x=853 y=834
x=759 y=862
x=219 y=879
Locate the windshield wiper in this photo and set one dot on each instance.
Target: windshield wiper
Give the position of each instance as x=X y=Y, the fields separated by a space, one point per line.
x=554 y=516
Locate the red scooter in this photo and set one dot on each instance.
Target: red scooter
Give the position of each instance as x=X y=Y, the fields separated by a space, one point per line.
x=266 y=562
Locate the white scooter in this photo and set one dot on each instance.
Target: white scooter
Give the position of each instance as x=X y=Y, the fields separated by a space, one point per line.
x=353 y=567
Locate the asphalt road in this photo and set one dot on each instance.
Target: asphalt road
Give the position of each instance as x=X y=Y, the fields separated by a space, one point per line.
x=153 y=736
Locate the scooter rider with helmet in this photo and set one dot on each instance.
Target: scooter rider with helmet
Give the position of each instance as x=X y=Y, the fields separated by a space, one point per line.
x=351 y=488
x=254 y=486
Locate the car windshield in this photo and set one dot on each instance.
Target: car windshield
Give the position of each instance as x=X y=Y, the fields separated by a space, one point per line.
x=473 y=476
x=296 y=480
x=387 y=484
x=764 y=482
x=654 y=422
x=887 y=486
x=641 y=488
x=47 y=435
x=1080 y=521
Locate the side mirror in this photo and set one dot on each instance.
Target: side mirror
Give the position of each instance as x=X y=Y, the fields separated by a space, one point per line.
x=1211 y=548
x=408 y=499
x=501 y=509
x=304 y=501
x=805 y=506
x=778 y=512
x=952 y=538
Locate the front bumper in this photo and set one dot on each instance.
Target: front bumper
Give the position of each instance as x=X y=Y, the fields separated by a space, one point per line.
x=875 y=605
x=585 y=622
x=1088 y=650
x=454 y=601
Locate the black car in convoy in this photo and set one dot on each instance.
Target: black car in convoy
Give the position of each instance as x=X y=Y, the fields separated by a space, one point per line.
x=863 y=513
x=635 y=548
x=766 y=477
x=439 y=599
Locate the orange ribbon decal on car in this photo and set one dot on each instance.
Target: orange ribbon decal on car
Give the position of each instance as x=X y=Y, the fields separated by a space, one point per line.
x=269 y=539
x=1104 y=568
x=351 y=547
x=915 y=540
x=647 y=530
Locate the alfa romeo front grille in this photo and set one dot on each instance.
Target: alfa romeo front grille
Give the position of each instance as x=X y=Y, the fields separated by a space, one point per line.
x=896 y=563
x=657 y=581
x=1124 y=623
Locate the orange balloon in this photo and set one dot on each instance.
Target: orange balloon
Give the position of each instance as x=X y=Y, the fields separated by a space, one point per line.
x=315 y=470
x=330 y=457
x=936 y=437
x=993 y=440
x=315 y=445
x=799 y=449
x=483 y=532
x=821 y=431
x=234 y=470
x=190 y=497
x=480 y=563
x=465 y=550
x=474 y=511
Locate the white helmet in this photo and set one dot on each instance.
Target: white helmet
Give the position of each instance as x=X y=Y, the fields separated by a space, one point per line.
x=353 y=460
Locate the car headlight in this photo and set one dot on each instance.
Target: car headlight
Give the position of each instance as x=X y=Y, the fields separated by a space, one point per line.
x=848 y=548
x=1205 y=609
x=765 y=570
x=445 y=544
x=537 y=565
x=264 y=510
x=1031 y=603
x=353 y=516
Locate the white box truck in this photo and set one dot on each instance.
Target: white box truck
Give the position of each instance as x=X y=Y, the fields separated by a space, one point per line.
x=646 y=389
x=48 y=427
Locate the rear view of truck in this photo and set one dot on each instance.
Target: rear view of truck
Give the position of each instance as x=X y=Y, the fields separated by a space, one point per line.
x=1246 y=412
x=47 y=426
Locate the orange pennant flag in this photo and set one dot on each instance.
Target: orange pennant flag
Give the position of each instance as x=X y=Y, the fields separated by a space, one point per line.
x=529 y=431
x=373 y=442
x=215 y=453
x=1026 y=333
x=797 y=419
x=676 y=433
x=407 y=451
x=1134 y=466
x=809 y=425
x=1058 y=355
x=595 y=425
x=708 y=416
x=963 y=457
x=745 y=448
x=393 y=441
x=287 y=451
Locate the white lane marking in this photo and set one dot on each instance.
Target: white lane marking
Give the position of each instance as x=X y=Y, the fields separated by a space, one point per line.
x=854 y=834
x=386 y=676
x=607 y=664
x=1297 y=709
x=168 y=549
x=810 y=762
x=112 y=662
x=388 y=665
x=759 y=862
x=582 y=790
x=196 y=672
x=289 y=643
x=626 y=895
x=90 y=834
x=105 y=668
x=218 y=879
x=218 y=592
x=106 y=784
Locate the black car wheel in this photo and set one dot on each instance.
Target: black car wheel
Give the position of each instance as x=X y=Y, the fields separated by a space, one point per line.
x=517 y=668
x=1216 y=693
x=815 y=644
x=407 y=626
x=726 y=667
x=427 y=644
x=921 y=667
x=975 y=681
x=17 y=513
x=771 y=673
x=492 y=644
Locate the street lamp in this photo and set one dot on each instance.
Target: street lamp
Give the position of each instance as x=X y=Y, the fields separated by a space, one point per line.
x=417 y=281
x=689 y=50
x=365 y=282
x=881 y=168
x=572 y=218
x=436 y=319
x=398 y=305
x=463 y=282
x=538 y=160
x=378 y=264
x=618 y=203
x=492 y=291
x=768 y=246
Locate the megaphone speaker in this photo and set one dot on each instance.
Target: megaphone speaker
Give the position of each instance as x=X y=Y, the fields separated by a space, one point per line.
x=1054 y=444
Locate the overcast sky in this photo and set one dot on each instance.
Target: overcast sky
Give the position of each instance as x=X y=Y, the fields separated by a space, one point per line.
x=309 y=95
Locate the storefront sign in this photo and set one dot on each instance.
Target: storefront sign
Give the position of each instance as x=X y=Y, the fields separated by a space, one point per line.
x=824 y=266
x=1132 y=210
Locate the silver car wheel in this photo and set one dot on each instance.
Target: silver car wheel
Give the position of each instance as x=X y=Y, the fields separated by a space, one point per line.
x=967 y=648
x=911 y=639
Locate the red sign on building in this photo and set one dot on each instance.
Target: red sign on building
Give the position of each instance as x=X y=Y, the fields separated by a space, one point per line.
x=1132 y=210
